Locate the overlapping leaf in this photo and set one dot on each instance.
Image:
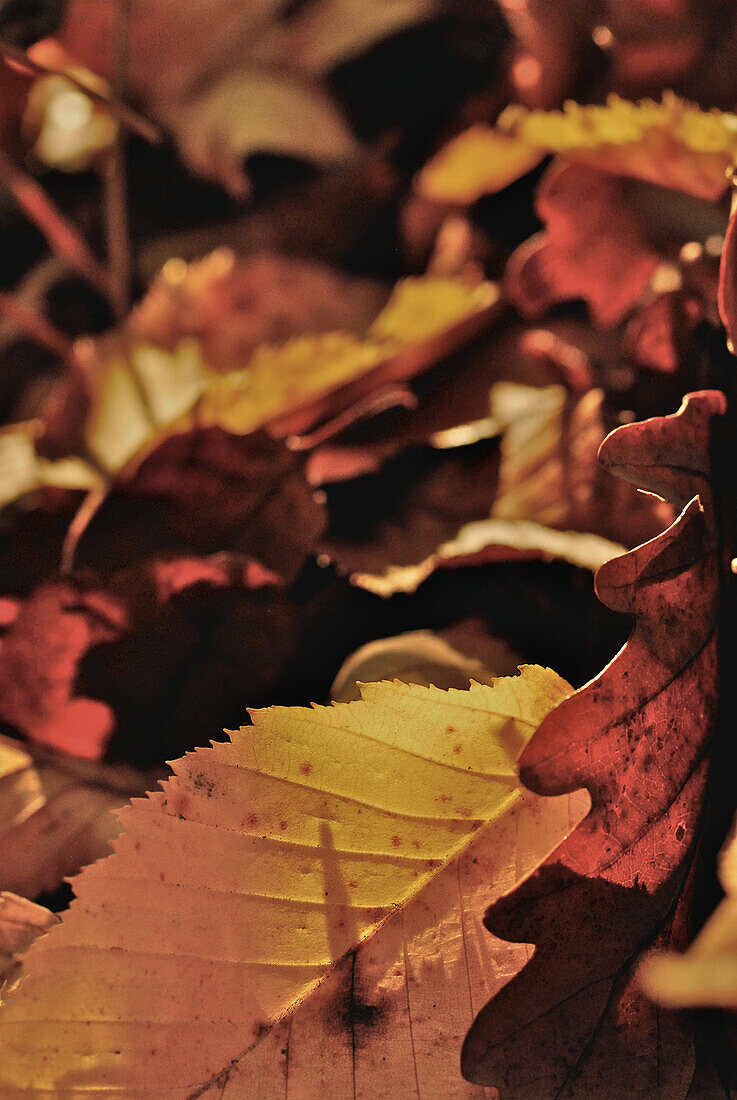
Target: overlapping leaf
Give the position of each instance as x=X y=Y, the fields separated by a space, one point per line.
x=552 y=499
x=672 y=143
x=255 y=874
x=55 y=817
x=573 y=1022
x=127 y=393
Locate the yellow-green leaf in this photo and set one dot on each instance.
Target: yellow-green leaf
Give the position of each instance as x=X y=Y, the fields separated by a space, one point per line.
x=192 y=960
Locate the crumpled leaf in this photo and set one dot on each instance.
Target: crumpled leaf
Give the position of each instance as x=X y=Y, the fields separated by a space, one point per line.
x=592 y=248
x=126 y=394
x=291 y=846
x=492 y=540
x=552 y=499
x=232 y=84
x=21 y=922
x=705 y=975
x=573 y=1022
x=55 y=817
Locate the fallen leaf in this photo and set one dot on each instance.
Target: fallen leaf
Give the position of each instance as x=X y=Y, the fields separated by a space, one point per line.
x=124 y=394
x=728 y=284
x=415 y=657
x=479 y=161
x=87 y=660
x=55 y=817
x=290 y=388
x=232 y=305
x=203 y=492
x=492 y=540
x=292 y=845
x=637 y=738
x=21 y=922
x=23 y=471
x=660 y=335
x=592 y=248
x=551 y=500
x=705 y=974
x=549 y=471
x=413 y=504
x=672 y=143
x=252 y=84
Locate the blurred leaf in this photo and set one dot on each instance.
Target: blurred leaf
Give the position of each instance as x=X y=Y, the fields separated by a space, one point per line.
x=232 y=82
x=21 y=922
x=479 y=161
x=592 y=248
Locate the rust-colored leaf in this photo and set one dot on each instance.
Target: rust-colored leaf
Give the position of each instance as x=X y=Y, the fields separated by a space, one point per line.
x=592 y=247
x=573 y=1022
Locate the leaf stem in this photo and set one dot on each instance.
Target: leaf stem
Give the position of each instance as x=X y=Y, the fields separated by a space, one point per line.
x=115 y=181
x=62 y=236
x=35 y=325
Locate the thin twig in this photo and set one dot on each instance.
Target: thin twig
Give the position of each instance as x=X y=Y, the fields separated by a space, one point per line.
x=82 y=518
x=35 y=325
x=116 y=197
x=135 y=122
x=62 y=236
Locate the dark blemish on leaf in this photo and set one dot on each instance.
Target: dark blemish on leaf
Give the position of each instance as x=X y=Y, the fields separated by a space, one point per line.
x=353 y=884
x=450 y=729
x=306 y=768
x=396 y=841
x=201 y=783
x=457 y=749
x=680 y=831
x=283 y=824
x=251 y=820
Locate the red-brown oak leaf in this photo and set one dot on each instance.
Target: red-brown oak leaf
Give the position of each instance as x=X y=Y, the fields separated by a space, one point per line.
x=591 y=248
x=573 y=1023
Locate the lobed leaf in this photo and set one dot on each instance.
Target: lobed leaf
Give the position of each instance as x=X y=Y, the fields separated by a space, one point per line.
x=637 y=738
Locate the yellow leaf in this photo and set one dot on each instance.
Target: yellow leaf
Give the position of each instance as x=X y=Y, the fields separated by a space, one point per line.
x=23 y=471
x=55 y=816
x=479 y=161
x=234 y=892
x=705 y=976
x=672 y=143
x=139 y=393
x=494 y=540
